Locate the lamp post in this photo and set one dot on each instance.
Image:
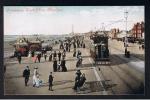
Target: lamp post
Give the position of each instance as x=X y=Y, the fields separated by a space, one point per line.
x=126 y=40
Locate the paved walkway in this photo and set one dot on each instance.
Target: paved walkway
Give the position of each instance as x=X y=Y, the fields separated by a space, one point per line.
x=118 y=78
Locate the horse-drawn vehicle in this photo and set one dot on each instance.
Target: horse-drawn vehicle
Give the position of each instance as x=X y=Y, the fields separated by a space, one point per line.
x=23 y=46
x=99 y=49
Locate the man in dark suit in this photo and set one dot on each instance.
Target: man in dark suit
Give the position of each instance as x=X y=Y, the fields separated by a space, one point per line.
x=55 y=65
x=26 y=75
x=50 y=81
x=59 y=55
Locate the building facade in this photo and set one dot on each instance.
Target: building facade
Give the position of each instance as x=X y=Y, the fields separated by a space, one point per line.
x=114 y=32
x=138 y=30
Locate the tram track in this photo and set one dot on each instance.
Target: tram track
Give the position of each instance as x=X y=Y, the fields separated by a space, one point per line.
x=126 y=72
x=123 y=70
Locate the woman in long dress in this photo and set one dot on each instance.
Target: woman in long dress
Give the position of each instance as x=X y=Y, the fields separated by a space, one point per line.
x=35 y=73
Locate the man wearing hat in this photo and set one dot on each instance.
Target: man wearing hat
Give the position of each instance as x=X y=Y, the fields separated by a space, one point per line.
x=50 y=81
x=26 y=75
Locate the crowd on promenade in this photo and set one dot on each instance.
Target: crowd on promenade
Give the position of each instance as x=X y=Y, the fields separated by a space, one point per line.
x=59 y=63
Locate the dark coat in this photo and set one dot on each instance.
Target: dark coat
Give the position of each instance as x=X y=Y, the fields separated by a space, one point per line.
x=59 y=54
x=26 y=73
x=50 y=80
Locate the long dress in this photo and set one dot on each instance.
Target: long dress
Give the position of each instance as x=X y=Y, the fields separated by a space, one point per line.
x=34 y=80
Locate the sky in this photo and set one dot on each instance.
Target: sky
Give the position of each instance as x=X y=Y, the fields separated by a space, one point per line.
x=55 y=20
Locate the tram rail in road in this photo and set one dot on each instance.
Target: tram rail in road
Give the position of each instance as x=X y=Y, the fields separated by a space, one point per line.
x=97 y=76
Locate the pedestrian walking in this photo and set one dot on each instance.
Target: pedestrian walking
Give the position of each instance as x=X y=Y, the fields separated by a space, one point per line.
x=32 y=53
x=50 y=80
x=55 y=65
x=54 y=55
x=59 y=55
x=29 y=54
x=34 y=58
x=19 y=57
x=74 y=54
x=77 y=79
x=58 y=66
x=50 y=57
x=45 y=56
x=63 y=65
x=78 y=73
x=26 y=75
x=39 y=57
x=35 y=73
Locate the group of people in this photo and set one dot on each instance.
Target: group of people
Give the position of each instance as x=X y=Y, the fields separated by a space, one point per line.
x=79 y=80
x=66 y=45
x=59 y=64
x=52 y=56
x=37 y=82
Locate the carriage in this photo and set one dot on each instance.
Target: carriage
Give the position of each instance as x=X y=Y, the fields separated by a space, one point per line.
x=23 y=46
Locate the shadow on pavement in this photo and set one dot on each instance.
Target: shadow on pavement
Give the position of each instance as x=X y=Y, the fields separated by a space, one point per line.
x=117 y=59
x=57 y=83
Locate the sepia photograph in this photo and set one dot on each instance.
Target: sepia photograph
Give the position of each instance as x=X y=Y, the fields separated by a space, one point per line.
x=74 y=50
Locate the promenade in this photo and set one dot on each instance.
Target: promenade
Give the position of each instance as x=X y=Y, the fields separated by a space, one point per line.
x=120 y=77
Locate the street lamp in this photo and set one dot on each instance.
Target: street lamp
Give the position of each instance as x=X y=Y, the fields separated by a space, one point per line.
x=126 y=40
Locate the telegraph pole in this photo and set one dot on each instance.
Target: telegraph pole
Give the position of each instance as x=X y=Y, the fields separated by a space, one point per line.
x=126 y=39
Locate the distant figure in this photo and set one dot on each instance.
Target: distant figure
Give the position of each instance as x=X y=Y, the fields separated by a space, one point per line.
x=29 y=55
x=50 y=81
x=45 y=56
x=59 y=55
x=74 y=54
x=63 y=65
x=50 y=57
x=79 y=61
x=78 y=54
x=32 y=53
x=54 y=55
x=55 y=65
x=26 y=75
x=78 y=73
x=19 y=57
x=39 y=57
x=63 y=55
x=69 y=46
x=35 y=58
x=58 y=66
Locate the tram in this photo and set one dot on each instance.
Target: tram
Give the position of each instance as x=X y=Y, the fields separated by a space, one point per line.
x=99 y=49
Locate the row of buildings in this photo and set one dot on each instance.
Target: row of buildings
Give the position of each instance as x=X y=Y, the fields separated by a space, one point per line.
x=136 y=32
